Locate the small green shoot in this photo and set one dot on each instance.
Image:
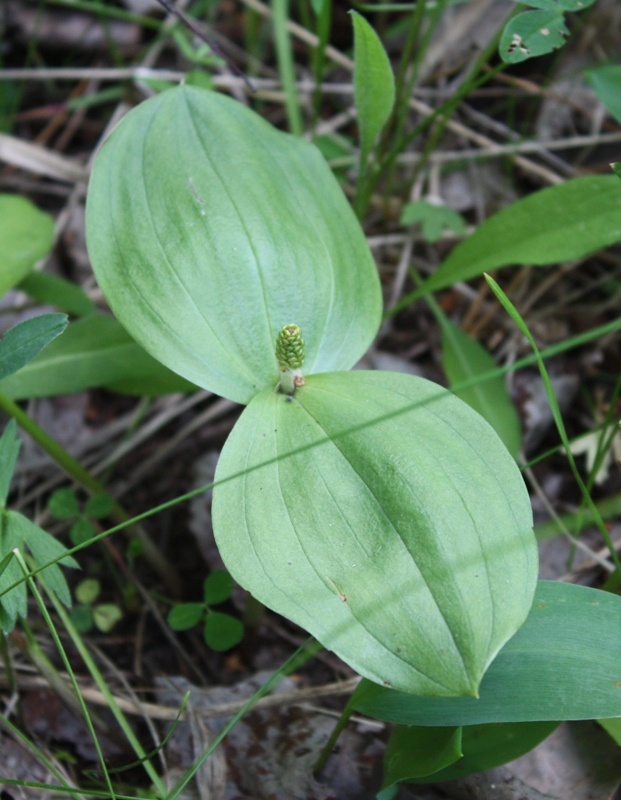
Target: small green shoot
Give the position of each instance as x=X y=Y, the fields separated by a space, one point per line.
x=434 y=217
x=221 y=631
x=26 y=236
x=88 y=614
x=535 y=33
x=64 y=505
x=16 y=530
x=374 y=90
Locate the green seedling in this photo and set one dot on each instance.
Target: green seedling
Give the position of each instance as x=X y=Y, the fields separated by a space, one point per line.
x=221 y=631
x=376 y=510
x=434 y=216
x=17 y=531
x=88 y=614
x=539 y=30
x=25 y=237
x=349 y=501
x=63 y=504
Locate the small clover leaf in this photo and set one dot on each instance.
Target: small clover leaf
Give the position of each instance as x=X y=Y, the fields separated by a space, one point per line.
x=63 y=504
x=99 y=505
x=87 y=591
x=82 y=618
x=81 y=531
x=222 y=631
x=106 y=615
x=434 y=218
x=218 y=587
x=185 y=615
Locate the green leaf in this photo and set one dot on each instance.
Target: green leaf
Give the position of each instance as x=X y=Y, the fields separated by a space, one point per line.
x=572 y=5
x=434 y=218
x=546 y=5
x=489 y=746
x=56 y=291
x=464 y=359
x=87 y=591
x=415 y=752
x=105 y=616
x=99 y=505
x=44 y=548
x=204 y=264
x=560 y=223
x=222 y=631
x=374 y=84
x=13 y=603
x=82 y=618
x=606 y=83
x=9 y=450
x=531 y=34
x=218 y=587
x=95 y=351
x=81 y=531
x=562 y=664
x=367 y=526
x=63 y=504
x=612 y=727
x=616 y=168
x=21 y=344
x=185 y=615
x=26 y=236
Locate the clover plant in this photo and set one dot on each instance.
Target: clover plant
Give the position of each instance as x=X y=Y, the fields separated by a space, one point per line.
x=220 y=631
x=376 y=510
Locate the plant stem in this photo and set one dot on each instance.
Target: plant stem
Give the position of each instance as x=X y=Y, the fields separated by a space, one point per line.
x=82 y=476
x=322 y=30
x=78 y=697
x=103 y=687
x=280 y=14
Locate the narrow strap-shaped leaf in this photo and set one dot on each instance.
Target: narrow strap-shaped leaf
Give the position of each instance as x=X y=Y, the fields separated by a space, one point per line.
x=463 y=359
x=374 y=84
x=9 y=450
x=25 y=237
x=94 y=351
x=564 y=663
x=488 y=746
x=22 y=343
x=57 y=291
x=556 y=224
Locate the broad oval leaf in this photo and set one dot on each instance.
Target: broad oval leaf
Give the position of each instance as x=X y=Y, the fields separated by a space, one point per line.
x=374 y=84
x=26 y=236
x=209 y=231
x=532 y=33
x=557 y=224
x=382 y=514
x=563 y=664
x=94 y=351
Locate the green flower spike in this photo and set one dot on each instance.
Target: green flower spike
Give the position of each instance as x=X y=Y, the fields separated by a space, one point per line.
x=290 y=357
